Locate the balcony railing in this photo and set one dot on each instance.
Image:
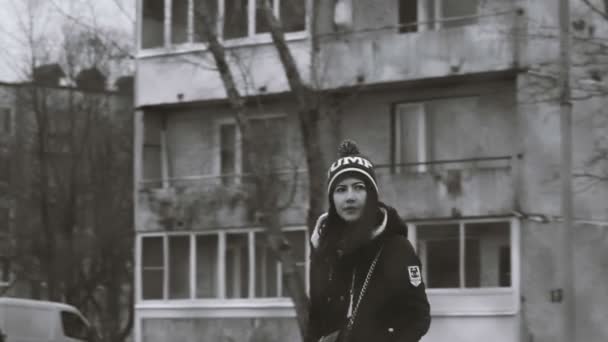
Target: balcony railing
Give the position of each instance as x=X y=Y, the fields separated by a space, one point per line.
x=212 y=202
x=439 y=48
x=435 y=189
x=449 y=188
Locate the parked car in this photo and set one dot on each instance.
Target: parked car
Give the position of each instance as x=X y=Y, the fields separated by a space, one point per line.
x=27 y=320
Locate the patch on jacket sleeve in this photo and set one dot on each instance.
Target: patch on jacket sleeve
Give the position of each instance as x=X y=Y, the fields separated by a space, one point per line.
x=414 y=273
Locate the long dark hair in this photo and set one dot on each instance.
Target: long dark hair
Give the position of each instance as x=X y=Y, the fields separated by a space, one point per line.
x=343 y=237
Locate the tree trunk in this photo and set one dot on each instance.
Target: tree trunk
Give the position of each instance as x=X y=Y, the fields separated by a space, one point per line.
x=113 y=309
x=308 y=115
x=48 y=256
x=291 y=278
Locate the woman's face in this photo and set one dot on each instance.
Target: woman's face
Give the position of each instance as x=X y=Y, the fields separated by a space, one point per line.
x=349 y=199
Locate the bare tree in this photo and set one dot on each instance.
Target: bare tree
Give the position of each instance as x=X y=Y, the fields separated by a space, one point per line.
x=589 y=62
x=588 y=74
x=74 y=201
x=313 y=105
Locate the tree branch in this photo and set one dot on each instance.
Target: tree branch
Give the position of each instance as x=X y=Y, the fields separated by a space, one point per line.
x=593 y=176
x=122 y=9
x=596 y=9
x=296 y=82
x=93 y=28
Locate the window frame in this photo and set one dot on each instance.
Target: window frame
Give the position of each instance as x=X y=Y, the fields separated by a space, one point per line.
x=431 y=155
x=251 y=38
x=481 y=301
x=221 y=298
x=238 y=152
x=161 y=148
x=431 y=21
x=163 y=267
x=423 y=140
x=238 y=164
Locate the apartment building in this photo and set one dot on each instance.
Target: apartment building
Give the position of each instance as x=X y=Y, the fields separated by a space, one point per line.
x=59 y=120
x=438 y=93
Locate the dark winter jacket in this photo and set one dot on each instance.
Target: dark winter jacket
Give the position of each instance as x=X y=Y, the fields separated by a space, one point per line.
x=395 y=306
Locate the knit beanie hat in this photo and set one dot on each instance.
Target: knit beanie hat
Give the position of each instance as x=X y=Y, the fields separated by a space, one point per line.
x=350 y=161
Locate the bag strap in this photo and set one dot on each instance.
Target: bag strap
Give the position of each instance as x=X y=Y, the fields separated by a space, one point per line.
x=353 y=311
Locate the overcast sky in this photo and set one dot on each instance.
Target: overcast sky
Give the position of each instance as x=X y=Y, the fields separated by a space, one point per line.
x=50 y=16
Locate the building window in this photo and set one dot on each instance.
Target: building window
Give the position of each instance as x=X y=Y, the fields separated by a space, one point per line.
x=153 y=23
x=237 y=265
x=6 y=121
x=154 y=133
x=179 y=266
x=238 y=19
x=293 y=15
x=466 y=254
x=199 y=29
x=207 y=266
x=228 y=151
x=437 y=134
x=261 y=24
x=179 y=21
x=412 y=136
x=504 y=266
x=470 y=266
x=227 y=265
x=153 y=267
x=266 y=153
x=423 y=15
x=457 y=13
x=408 y=15
x=267 y=269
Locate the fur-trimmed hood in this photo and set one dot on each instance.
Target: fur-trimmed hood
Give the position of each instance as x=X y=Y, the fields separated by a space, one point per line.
x=390 y=224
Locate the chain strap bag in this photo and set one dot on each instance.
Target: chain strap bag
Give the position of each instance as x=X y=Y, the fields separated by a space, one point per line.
x=352 y=311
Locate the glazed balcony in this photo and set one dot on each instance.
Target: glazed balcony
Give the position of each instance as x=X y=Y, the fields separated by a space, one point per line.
x=490 y=44
x=374 y=53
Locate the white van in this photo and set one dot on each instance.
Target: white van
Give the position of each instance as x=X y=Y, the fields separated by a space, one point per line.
x=27 y=320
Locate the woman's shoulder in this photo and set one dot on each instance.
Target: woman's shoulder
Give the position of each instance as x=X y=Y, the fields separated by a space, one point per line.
x=399 y=262
x=398 y=252
x=398 y=246
x=394 y=223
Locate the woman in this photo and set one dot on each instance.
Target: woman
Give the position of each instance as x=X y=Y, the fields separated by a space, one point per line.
x=365 y=278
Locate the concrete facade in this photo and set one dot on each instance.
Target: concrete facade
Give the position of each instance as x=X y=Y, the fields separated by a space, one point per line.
x=487 y=152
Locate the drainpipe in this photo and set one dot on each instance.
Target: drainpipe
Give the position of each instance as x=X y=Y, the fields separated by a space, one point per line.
x=564 y=252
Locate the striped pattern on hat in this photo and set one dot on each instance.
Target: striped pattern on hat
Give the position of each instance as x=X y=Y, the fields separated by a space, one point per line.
x=351 y=160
